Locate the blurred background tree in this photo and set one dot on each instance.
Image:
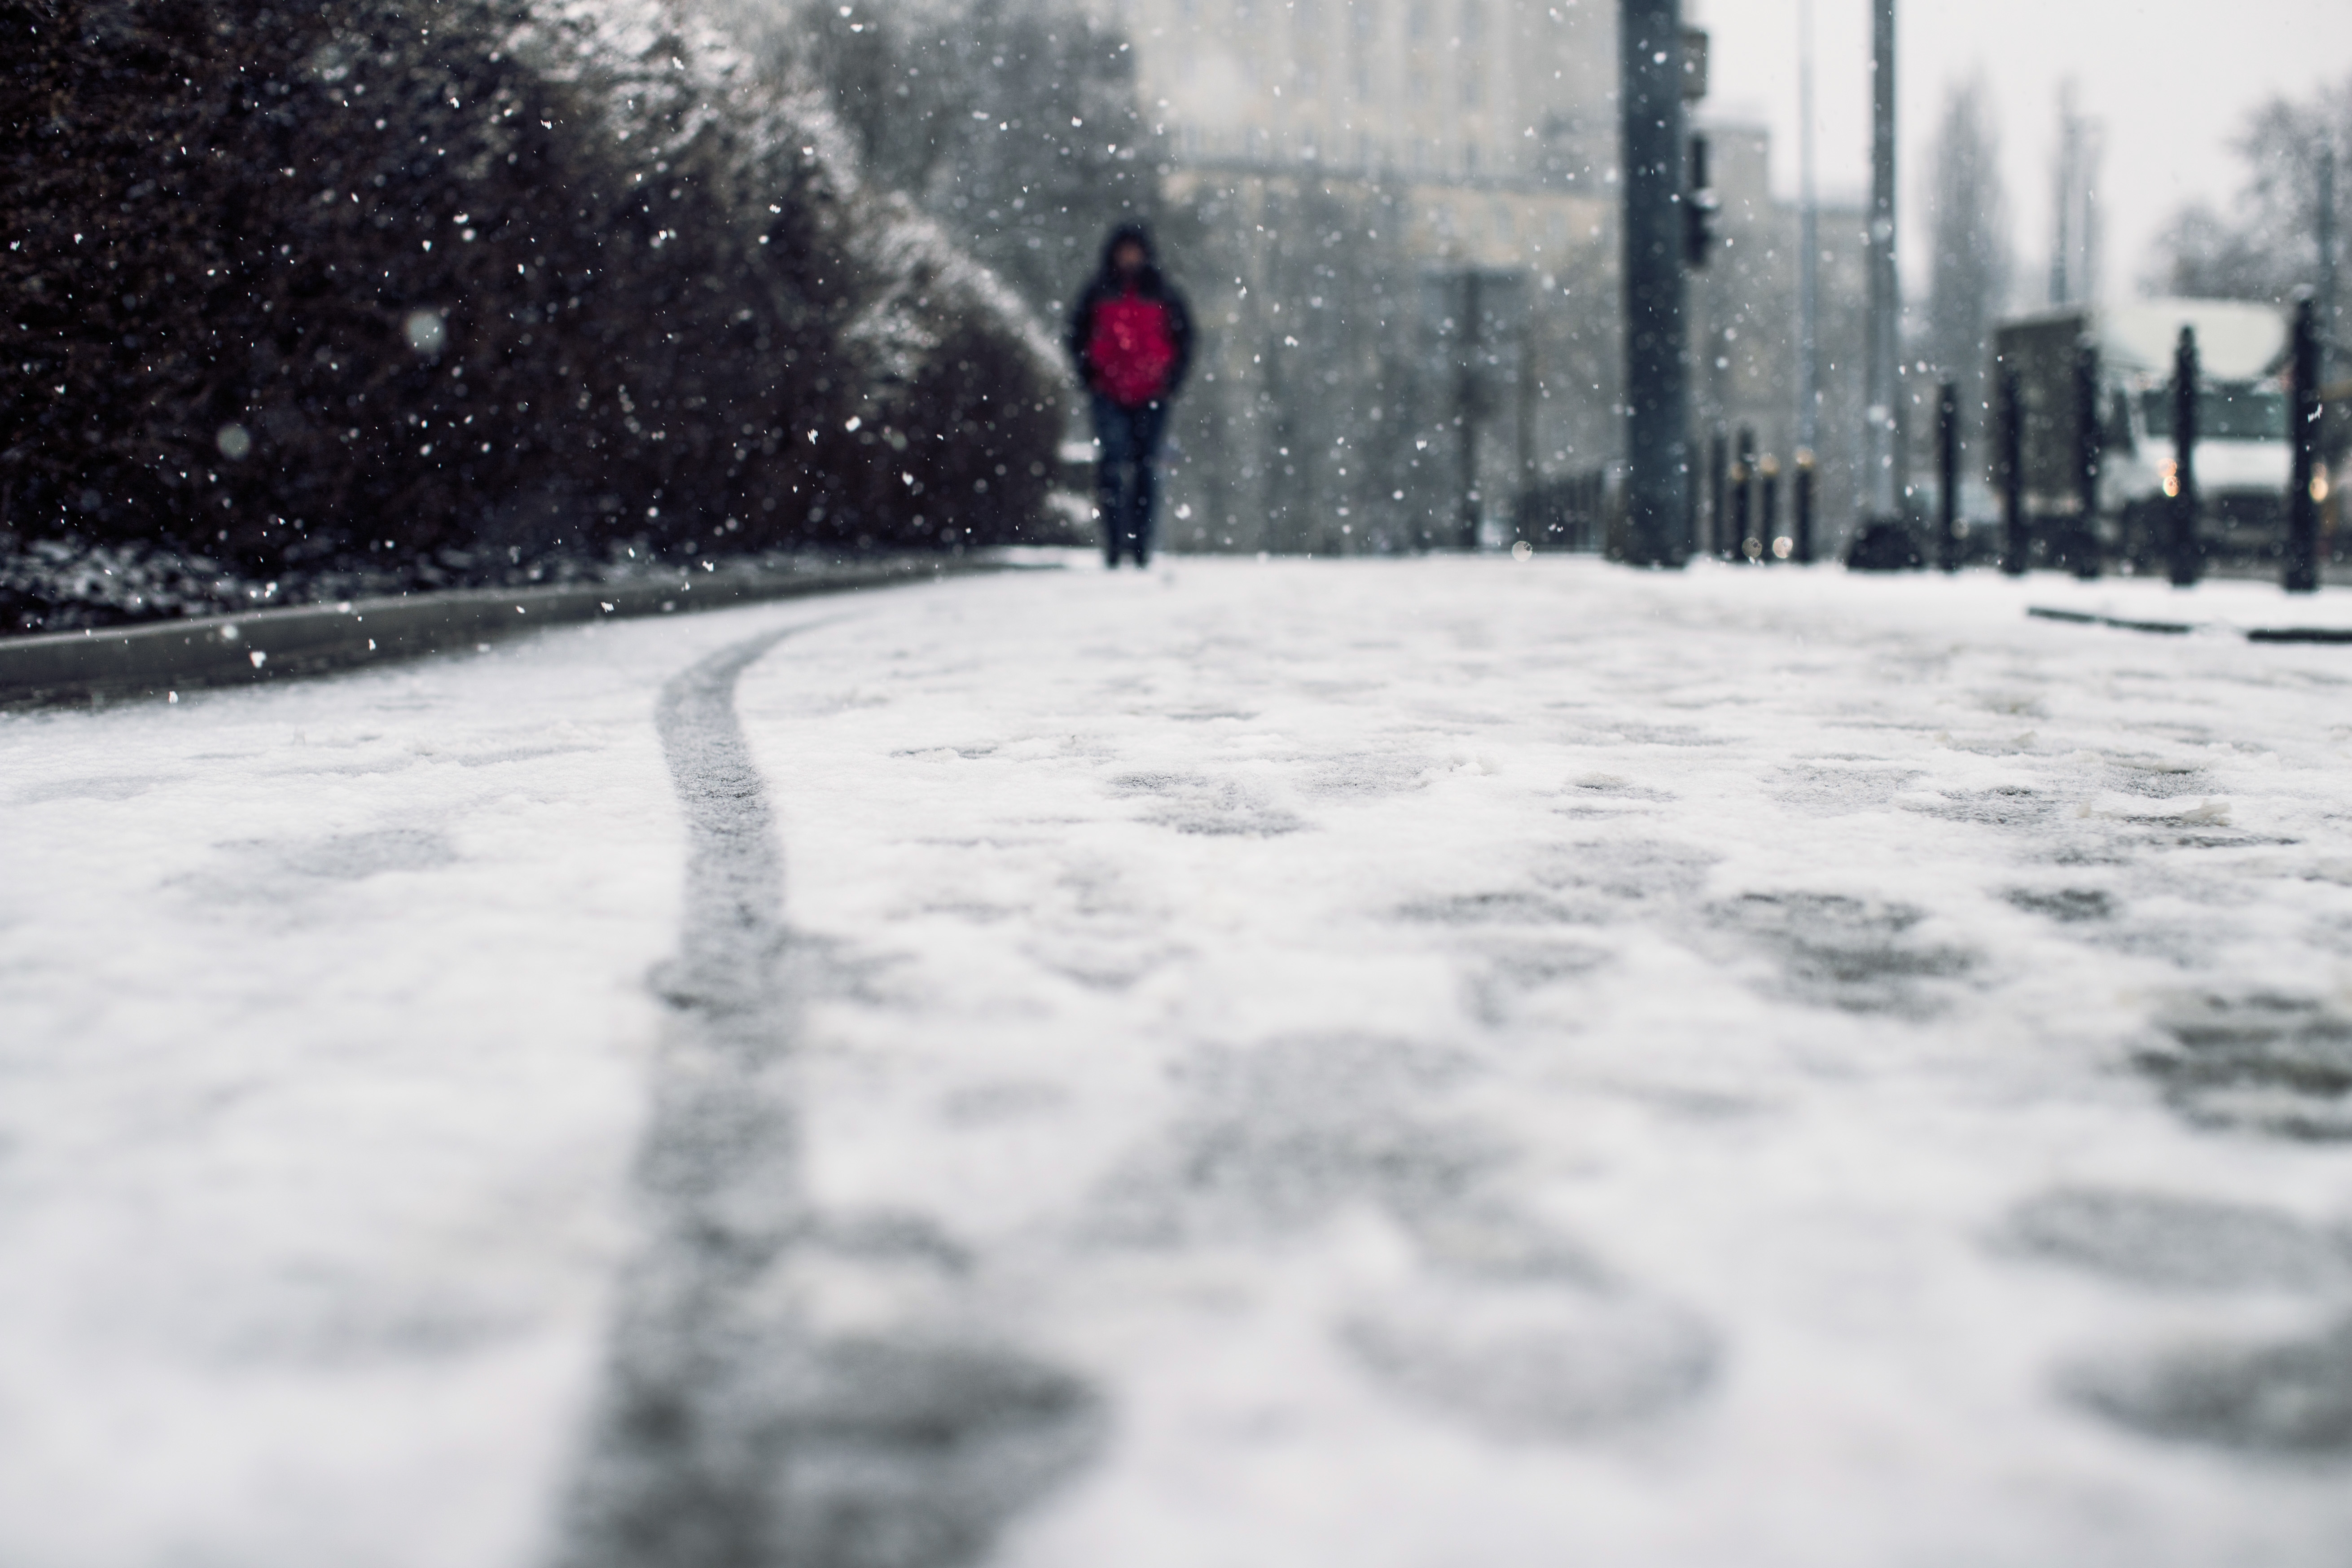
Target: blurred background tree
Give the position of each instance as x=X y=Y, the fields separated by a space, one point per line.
x=1013 y=124
x=1969 y=267
x=2264 y=247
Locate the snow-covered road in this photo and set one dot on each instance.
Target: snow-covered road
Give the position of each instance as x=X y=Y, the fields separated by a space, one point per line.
x=1384 y=1064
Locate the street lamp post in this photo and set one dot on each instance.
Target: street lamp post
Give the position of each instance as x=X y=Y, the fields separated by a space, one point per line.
x=1657 y=384
x=1469 y=405
x=1948 y=475
x=1884 y=300
x=1809 y=252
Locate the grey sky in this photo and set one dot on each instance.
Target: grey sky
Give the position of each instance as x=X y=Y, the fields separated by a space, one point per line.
x=2171 y=80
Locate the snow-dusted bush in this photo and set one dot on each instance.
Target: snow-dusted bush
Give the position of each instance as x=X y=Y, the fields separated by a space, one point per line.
x=375 y=280
x=1015 y=124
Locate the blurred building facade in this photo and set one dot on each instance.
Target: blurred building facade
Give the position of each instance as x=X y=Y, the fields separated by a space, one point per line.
x=1399 y=221
x=1444 y=89
x=1744 y=337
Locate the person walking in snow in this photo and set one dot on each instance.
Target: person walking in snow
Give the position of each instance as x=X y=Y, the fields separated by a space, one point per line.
x=1131 y=336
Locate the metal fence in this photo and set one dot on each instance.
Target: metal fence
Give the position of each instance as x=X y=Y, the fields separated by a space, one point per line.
x=1571 y=512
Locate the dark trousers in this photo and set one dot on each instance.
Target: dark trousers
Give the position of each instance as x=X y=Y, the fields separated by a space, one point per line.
x=1129 y=440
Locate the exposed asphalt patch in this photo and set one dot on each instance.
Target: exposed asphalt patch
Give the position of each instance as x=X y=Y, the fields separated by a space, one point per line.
x=2259 y=1061
x=1505 y=1324
x=1859 y=955
x=2004 y=807
x=1192 y=803
x=785 y=1389
x=1505 y=907
x=2287 y=1396
x=2171 y=1243
x=288 y=872
x=1281 y=1136
x=2067 y=906
x=352 y=856
x=1510 y=969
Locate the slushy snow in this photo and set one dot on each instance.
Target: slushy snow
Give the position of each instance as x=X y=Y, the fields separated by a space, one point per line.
x=1469 y=1062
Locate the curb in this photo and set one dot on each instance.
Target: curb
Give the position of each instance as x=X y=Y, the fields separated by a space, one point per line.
x=58 y=669
x=2300 y=633
x=2084 y=618
x=2182 y=628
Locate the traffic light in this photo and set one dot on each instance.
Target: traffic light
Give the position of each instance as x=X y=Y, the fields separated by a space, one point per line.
x=1700 y=208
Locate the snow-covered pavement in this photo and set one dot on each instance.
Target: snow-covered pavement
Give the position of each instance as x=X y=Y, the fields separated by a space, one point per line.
x=1384 y=1064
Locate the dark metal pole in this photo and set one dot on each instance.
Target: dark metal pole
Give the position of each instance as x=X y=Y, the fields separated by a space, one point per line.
x=2327 y=227
x=1948 y=475
x=1466 y=410
x=1657 y=387
x=1743 y=471
x=1718 y=466
x=1529 y=380
x=2330 y=432
x=2187 y=563
x=1767 y=527
x=2085 y=551
x=1698 y=208
x=2014 y=543
x=1801 y=540
x=2302 y=506
x=1809 y=246
x=1882 y=499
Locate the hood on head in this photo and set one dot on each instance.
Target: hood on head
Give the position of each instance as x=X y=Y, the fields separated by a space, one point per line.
x=1124 y=234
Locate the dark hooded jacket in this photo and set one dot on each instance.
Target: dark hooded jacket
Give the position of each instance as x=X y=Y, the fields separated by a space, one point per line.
x=1148 y=284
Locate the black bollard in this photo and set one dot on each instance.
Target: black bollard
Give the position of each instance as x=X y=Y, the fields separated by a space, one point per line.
x=2014 y=546
x=1802 y=533
x=1948 y=475
x=1718 y=468
x=1468 y=404
x=2302 y=408
x=1767 y=527
x=2180 y=485
x=2085 y=549
x=1743 y=473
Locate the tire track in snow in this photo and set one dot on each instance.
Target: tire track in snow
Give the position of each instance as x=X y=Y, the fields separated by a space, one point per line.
x=758 y=1408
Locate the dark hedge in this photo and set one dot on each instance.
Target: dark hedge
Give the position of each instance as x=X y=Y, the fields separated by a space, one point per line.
x=385 y=282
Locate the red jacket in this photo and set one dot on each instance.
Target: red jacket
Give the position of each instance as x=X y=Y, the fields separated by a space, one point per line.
x=1132 y=339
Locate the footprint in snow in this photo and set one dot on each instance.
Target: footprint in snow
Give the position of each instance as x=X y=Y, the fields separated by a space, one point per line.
x=2256 y=1061
x=2290 y=1395
x=1505 y=1324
